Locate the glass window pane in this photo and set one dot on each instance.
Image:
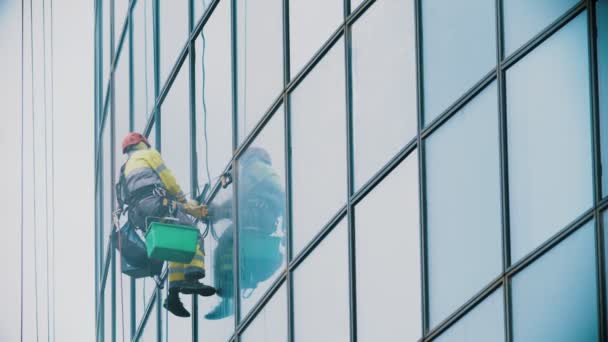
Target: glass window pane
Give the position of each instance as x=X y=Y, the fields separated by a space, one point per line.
x=270 y=325
x=216 y=313
x=214 y=96
x=174 y=32
x=261 y=194
x=175 y=130
x=387 y=223
x=459 y=48
x=602 y=57
x=484 y=323
x=524 y=19
x=354 y=4
x=550 y=175
x=321 y=291
x=384 y=84
x=260 y=59
x=307 y=39
x=555 y=299
x=464 y=208
x=318 y=151
x=143 y=63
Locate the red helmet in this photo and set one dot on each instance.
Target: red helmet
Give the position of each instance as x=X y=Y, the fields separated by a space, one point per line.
x=133 y=139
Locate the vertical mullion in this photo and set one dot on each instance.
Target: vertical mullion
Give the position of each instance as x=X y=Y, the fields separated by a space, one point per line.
x=288 y=178
x=234 y=66
x=504 y=168
x=421 y=170
x=133 y=287
x=157 y=129
x=193 y=145
x=349 y=175
x=235 y=242
x=597 y=172
x=156 y=38
x=112 y=165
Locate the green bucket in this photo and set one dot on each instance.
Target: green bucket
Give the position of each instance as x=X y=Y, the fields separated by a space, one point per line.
x=171 y=242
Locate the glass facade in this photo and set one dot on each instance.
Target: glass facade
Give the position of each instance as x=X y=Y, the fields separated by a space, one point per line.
x=416 y=170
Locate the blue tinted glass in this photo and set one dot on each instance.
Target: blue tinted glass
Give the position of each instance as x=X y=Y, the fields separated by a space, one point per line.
x=261 y=195
x=555 y=299
x=216 y=313
x=213 y=96
x=270 y=325
x=550 y=175
x=524 y=19
x=175 y=125
x=173 y=17
x=602 y=57
x=459 y=48
x=260 y=59
x=384 y=84
x=318 y=150
x=311 y=23
x=321 y=291
x=143 y=63
x=484 y=323
x=387 y=224
x=464 y=211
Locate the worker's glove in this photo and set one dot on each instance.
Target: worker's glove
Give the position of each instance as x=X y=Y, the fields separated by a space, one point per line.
x=195 y=209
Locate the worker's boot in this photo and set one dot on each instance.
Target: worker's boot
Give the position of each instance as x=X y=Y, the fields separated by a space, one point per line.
x=194 y=287
x=222 y=310
x=174 y=305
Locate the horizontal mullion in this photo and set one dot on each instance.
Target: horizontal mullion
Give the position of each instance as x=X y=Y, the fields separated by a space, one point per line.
x=467 y=307
x=384 y=171
x=553 y=241
x=320 y=236
x=480 y=86
x=537 y=40
x=261 y=304
x=146 y=316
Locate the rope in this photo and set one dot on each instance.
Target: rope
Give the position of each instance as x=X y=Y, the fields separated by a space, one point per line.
x=22 y=166
x=35 y=235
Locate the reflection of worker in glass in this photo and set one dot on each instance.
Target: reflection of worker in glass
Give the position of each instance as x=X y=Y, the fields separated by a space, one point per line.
x=150 y=190
x=261 y=209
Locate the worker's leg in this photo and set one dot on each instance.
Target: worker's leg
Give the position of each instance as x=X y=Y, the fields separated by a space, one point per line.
x=177 y=276
x=222 y=271
x=196 y=268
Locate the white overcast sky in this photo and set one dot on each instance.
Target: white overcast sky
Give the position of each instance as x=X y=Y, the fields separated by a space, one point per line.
x=74 y=163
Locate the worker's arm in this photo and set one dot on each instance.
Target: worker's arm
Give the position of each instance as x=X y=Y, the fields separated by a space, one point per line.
x=166 y=176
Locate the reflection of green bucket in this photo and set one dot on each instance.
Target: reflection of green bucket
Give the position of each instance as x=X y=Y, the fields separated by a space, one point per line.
x=171 y=242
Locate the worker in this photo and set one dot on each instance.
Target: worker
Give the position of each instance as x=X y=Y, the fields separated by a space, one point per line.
x=149 y=189
x=261 y=198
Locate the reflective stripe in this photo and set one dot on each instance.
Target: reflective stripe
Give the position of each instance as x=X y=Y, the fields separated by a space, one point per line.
x=160 y=168
x=194 y=269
